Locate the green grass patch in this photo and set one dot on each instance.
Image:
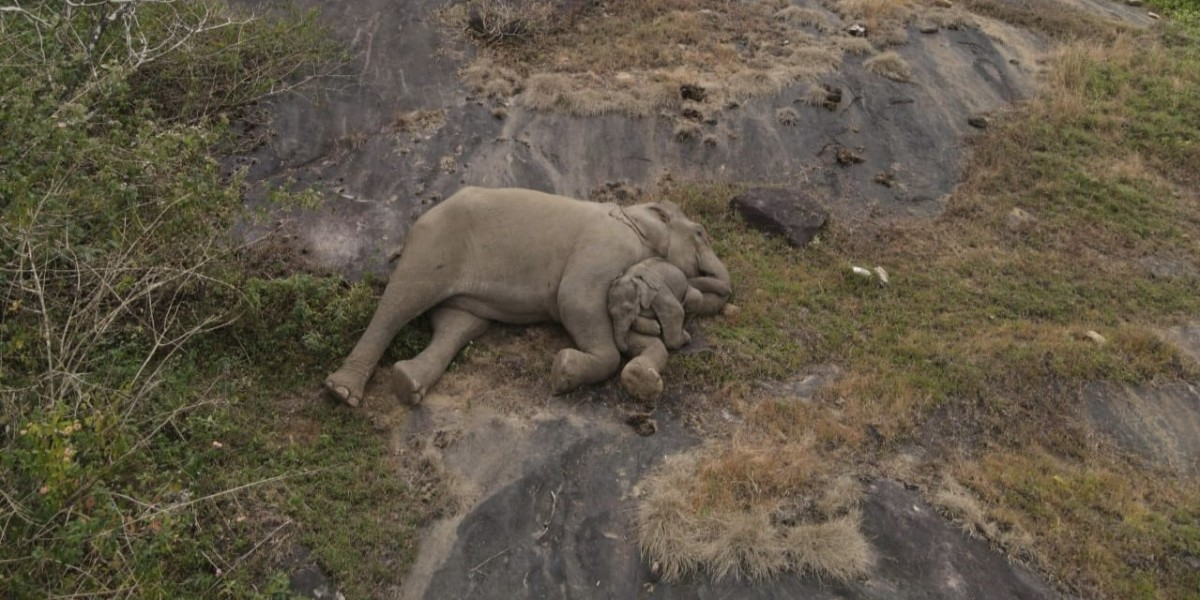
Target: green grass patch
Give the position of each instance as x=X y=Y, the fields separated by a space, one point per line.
x=147 y=444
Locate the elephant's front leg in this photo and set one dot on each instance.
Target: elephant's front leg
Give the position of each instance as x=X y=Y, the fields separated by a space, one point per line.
x=642 y=376
x=452 y=329
x=583 y=307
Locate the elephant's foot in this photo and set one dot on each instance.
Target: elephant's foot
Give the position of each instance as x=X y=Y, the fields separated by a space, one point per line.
x=408 y=390
x=345 y=386
x=642 y=382
x=564 y=373
x=675 y=343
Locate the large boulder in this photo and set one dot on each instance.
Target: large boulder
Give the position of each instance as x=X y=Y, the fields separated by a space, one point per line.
x=789 y=213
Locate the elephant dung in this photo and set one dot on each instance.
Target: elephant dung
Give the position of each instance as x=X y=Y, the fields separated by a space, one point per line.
x=789 y=213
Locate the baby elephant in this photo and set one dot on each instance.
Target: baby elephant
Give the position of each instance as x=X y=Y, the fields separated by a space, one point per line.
x=656 y=286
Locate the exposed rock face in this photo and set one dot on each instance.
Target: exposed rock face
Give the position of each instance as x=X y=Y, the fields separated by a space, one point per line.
x=553 y=518
x=1159 y=422
x=789 y=213
x=378 y=178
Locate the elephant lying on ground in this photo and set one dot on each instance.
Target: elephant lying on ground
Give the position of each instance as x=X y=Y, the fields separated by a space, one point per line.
x=521 y=256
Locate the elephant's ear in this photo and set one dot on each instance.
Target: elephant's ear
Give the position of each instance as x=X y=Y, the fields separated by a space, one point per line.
x=646 y=293
x=662 y=210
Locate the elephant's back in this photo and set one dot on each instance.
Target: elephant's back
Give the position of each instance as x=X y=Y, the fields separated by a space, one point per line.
x=522 y=203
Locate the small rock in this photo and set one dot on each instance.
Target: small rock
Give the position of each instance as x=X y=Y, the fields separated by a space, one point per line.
x=883 y=275
x=1018 y=219
x=885 y=178
x=730 y=311
x=1095 y=337
x=788 y=213
x=857 y=30
x=927 y=28
x=1134 y=2
x=978 y=121
x=1154 y=15
x=861 y=272
x=846 y=156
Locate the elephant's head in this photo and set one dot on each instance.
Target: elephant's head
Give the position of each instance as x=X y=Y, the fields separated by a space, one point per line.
x=685 y=244
x=627 y=298
x=680 y=240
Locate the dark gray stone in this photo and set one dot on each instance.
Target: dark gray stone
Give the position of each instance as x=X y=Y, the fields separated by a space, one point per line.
x=564 y=531
x=1160 y=423
x=789 y=213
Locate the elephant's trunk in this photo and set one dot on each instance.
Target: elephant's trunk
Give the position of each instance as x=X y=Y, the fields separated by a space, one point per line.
x=711 y=266
x=713 y=282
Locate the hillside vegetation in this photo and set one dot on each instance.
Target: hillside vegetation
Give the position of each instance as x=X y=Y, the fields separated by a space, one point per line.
x=136 y=343
x=158 y=437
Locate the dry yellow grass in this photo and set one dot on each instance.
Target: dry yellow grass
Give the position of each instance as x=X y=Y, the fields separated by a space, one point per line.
x=890 y=65
x=750 y=513
x=635 y=57
x=886 y=20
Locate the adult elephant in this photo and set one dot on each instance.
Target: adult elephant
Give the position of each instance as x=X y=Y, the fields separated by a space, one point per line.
x=521 y=256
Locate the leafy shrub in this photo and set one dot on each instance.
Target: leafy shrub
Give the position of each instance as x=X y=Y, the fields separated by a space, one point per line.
x=112 y=214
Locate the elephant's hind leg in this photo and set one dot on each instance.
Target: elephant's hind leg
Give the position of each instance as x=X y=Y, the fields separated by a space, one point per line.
x=452 y=329
x=418 y=284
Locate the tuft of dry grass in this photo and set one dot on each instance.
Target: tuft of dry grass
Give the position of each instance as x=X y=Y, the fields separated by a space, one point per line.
x=815 y=95
x=787 y=116
x=491 y=80
x=960 y=504
x=886 y=21
x=580 y=95
x=687 y=130
x=806 y=17
x=1058 y=20
x=719 y=511
x=636 y=56
x=511 y=21
x=854 y=46
x=890 y=65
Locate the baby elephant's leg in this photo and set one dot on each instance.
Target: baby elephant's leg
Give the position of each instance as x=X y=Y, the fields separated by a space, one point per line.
x=642 y=376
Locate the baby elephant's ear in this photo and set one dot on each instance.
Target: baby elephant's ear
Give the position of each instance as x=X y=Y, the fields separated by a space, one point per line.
x=646 y=293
